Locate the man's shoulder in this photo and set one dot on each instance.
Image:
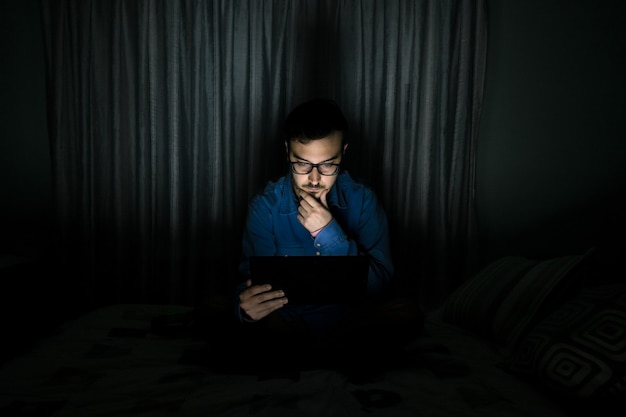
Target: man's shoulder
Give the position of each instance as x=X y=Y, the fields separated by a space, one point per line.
x=271 y=191
x=353 y=183
x=353 y=190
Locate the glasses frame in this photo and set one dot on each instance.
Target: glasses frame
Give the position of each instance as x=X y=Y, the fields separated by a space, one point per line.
x=311 y=166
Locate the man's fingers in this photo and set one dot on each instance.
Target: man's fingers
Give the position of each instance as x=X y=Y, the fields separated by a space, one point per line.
x=259 y=289
x=261 y=293
x=323 y=197
x=305 y=198
x=307 y=201
x=254 y=291
x=265 y=308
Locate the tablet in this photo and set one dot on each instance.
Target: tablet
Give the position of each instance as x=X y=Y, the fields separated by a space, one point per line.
x=314 y=279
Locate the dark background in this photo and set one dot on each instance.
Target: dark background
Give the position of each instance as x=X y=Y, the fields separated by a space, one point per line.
x=551 y=149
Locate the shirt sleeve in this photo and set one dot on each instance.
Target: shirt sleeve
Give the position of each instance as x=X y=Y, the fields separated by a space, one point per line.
x=257 y=239
x=258 y=236
x=371 y=238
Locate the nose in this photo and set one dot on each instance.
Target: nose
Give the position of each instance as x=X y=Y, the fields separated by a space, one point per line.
x=315 y=176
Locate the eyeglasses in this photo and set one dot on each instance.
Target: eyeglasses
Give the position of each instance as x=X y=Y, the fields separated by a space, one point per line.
x=325 y=168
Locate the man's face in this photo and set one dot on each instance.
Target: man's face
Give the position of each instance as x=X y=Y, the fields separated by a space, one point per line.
x=326 y=150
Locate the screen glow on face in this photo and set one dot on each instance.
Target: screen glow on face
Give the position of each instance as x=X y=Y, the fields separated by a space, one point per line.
x=315 y=164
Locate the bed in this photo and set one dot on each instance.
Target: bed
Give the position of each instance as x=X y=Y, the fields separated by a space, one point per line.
x=114 y=361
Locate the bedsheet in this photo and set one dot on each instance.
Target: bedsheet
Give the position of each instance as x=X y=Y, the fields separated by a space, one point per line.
x=108 y=362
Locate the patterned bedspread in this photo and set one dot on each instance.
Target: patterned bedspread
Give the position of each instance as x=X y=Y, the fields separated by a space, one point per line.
x=109 y=363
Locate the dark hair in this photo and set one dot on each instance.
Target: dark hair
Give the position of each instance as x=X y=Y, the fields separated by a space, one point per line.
x=315 y=119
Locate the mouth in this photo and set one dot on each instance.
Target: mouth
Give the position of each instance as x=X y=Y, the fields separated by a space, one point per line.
x=313 y=190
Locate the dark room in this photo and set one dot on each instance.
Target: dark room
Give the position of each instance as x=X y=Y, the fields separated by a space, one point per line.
x=313 y=208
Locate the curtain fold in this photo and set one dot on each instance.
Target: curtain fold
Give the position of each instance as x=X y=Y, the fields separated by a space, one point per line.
x=164 y=119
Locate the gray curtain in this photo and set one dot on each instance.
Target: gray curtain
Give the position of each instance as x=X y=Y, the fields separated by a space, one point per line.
x=164 y=118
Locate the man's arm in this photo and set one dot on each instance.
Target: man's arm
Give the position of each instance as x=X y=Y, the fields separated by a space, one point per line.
x=370 y=238
x=258 y=236
x=258 y=239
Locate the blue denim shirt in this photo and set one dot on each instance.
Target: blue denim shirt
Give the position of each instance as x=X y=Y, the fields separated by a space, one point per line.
x=359 y=227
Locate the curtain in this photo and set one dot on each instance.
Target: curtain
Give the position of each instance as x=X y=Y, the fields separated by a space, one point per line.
x=164 y=118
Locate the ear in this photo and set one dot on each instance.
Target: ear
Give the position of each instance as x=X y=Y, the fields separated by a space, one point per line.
x=287 y=148
x=344 y=148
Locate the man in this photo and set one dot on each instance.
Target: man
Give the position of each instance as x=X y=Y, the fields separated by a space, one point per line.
x=316 y=209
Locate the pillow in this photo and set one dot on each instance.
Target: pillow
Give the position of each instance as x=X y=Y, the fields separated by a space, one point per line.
x=473 y=304
x=538 y=289
x=579 y=350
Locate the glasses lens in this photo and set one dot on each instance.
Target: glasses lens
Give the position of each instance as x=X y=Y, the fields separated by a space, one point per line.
x=301 y=167
x=327 y=169
x=306 y=168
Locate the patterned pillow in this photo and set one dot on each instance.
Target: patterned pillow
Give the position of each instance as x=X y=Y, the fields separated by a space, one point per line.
x=579 y=350
x=473 y=304
x=542 y=286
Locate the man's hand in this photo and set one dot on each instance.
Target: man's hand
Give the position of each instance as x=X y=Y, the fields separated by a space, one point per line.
x=257 y=301
x=313 y=214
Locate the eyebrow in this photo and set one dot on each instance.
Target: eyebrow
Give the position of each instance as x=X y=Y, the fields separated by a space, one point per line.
x=326 y=160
